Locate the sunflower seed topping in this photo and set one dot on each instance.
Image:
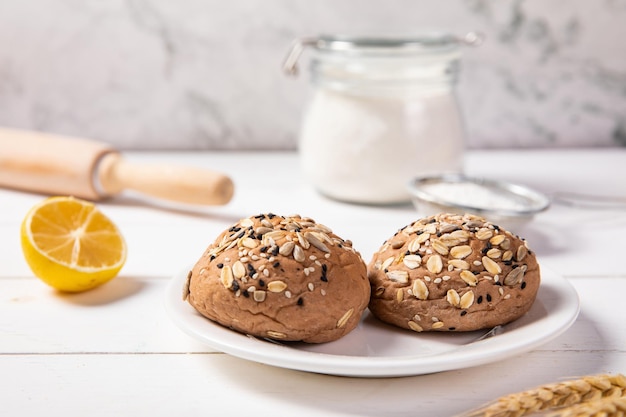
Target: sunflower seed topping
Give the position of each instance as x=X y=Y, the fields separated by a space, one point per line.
x=460 y=252
x=422 y=238
x=484 y=234
x=496 y=240
x=415 y=327
x=286 y=248
x=467 y=300
x=276 y=286
x=276 y=335
x=469 y=278
x=344 y=319
x=259 y=296
x=453 y=298
x=239 y=270
x=226 y=276
x=414 y=246
x=250 y=243
x=316 y=242
x=434 y=264
x=398 y=276
x=491 y=266
x=515 y=276
x=419 y=289
x=459 y=263
x=298 y=254
x=521 y=253
x=261 y=230
x=387 y=262
x=439 y=246
x=412 y=261
x=247 y=222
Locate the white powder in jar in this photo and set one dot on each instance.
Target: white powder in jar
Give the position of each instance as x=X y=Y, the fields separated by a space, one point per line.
x=365 y=149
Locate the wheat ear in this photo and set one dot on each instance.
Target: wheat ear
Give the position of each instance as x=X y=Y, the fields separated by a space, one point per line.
x=604 y=407
x=553 y=396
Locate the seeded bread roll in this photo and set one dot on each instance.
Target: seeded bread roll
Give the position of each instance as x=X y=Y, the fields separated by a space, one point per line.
x=452 y=272
x=283 y=278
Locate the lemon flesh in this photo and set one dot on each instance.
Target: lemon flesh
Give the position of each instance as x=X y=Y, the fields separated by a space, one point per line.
x=71 y=245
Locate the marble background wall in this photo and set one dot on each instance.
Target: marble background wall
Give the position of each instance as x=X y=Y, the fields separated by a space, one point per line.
x=206 y=73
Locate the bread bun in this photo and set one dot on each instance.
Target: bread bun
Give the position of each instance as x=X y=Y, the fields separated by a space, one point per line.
x=452 y=272
x=283 y=278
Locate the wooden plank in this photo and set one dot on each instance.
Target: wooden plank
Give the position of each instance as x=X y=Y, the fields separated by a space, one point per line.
x=220 y=385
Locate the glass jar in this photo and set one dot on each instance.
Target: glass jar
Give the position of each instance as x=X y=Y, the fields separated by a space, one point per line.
x=383 y=111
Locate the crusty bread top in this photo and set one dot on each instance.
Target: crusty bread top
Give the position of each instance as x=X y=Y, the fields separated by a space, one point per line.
x=286 y=278
x=452 y=272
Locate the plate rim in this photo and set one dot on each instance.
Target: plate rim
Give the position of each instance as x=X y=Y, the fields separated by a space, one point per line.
x=558 y=319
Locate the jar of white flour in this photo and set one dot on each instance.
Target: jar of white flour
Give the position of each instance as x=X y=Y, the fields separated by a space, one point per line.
x=383 y=111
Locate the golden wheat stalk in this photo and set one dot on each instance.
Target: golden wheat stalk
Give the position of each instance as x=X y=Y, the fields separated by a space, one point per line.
x=554 y=396
x=605 y=407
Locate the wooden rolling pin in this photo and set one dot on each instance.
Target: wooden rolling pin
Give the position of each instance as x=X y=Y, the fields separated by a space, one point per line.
x=59 y=165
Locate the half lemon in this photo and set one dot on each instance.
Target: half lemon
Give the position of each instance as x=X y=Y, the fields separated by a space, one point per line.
x=70 y=245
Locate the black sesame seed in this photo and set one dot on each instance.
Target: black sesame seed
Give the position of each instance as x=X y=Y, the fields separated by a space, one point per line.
x=235 y=286
x=515 y=266
x=240 y=235
x=275 y=251
x=485 y=250
x=220 y=265
x=489 y=298
x=271 y=215
x=508 y=263
x=488 y=245
x=276 y=264
x=523 y=284
x=323 y=278
x=263 y=249
x=300 y=301
x=463 y=313
x=452 y=328
x=212 y=257
x=495 y=226
x=324 y=268
x=479 y=300
x=261 y=283
x=246 y=294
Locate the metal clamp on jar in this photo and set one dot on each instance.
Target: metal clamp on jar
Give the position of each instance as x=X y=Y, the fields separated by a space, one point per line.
x=383 y=111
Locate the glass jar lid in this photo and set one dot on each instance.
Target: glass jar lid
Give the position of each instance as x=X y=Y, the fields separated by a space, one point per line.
x=430 y=43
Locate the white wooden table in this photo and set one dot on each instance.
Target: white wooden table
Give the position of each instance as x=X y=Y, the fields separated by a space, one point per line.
x=115 y=351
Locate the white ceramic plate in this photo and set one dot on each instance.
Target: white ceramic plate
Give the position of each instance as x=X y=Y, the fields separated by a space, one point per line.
x=375 y=349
